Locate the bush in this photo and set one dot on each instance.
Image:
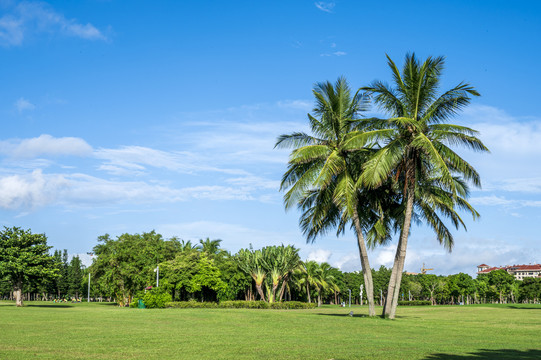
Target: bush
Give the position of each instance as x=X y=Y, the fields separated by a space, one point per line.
x=190 y=304
x=241 y=304
x=155 y=298
x=414 y=303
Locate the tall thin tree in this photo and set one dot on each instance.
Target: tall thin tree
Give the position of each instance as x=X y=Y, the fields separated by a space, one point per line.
x=416 y=153
x=323 y=169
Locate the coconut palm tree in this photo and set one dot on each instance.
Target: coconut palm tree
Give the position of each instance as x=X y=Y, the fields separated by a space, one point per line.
x=416 y=153
x=324 y=168
x=211 y=247
x=187 y=246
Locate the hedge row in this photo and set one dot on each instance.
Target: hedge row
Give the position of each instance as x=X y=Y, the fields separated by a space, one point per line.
x=414 y=303
x=240 y=304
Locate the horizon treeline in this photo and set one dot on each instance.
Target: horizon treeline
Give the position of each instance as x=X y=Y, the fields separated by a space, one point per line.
x=131 y=263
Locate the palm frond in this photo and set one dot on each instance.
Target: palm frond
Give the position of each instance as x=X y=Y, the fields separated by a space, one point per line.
x=296 y=140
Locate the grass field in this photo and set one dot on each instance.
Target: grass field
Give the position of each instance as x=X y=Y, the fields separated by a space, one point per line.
x=100 y=331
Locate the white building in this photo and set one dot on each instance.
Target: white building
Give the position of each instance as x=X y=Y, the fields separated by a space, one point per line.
x=520 y=272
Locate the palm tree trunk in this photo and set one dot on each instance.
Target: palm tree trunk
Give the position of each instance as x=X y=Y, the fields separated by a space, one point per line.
x=392 y=282
x=308 y=291
x=282 y=289
x=400 y=257
x=367 y=271
x=274 y=288
x=260 y=292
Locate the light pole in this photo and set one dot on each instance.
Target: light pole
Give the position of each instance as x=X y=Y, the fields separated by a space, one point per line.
x=349 y=297
x=88 y=294
x=362 y=286
x=157 y=271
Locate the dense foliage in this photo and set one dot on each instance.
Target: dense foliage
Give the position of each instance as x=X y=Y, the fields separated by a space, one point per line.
x=204 y=274
x=24 y=260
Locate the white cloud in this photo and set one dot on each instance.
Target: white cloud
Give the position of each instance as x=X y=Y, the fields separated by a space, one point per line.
x=130 y=160
x=491 y=200
x=336 y=53
x=22 y=104
x=45 y=145
x=235 y=143
x=304 y=105
x=515 y=150
x=30 y=191
x=254 y=182
x=520 y=138
x=494 y=200
x=87 y=190
x=325 y=6
x=11 y=30
x=528 y=185
x=87 y=31
x=385 y=256
x=37 y=17
x=319 y=255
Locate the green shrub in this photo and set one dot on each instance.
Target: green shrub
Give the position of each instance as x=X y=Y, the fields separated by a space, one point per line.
x=289 y=305
x=299 y=305
x=414 y=303
x=190 y=304
x=155 y=298
x=241 y=304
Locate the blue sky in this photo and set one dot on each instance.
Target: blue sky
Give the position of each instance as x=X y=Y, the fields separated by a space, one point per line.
x=132 y=116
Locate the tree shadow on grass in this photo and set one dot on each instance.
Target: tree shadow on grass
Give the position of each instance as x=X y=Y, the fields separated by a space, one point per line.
x=485 y=354
x=366 y=316
x=49 y=305
x=525 y=307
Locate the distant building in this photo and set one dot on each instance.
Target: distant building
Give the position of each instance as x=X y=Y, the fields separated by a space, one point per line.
x=520 y=272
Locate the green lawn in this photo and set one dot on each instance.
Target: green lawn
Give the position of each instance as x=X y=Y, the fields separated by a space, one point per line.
x=100 y=331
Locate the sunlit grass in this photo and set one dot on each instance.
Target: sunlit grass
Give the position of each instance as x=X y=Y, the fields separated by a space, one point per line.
x=98 y=331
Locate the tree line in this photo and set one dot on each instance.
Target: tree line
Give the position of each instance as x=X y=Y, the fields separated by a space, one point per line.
x=205 y=272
